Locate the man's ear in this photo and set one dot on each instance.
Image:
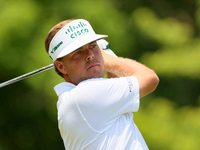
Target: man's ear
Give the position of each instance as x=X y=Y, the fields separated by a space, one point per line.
x=60 y=66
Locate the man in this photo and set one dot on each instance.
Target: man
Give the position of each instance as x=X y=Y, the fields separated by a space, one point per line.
x=95 y=112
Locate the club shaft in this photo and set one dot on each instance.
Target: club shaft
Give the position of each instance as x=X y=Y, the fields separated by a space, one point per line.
x=26 y=75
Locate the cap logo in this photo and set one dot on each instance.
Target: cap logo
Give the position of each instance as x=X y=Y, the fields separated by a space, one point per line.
x=81 y=27
x=56 y=47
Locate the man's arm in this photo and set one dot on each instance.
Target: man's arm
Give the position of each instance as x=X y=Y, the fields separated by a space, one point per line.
x=122 y=67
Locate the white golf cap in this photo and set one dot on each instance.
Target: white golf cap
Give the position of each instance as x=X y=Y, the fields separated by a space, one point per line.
x=71 y=37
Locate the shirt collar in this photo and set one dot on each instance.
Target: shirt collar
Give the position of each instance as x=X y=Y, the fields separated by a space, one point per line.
x=64 y=86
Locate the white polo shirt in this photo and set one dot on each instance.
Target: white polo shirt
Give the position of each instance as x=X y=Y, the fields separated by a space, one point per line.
x=97 y=114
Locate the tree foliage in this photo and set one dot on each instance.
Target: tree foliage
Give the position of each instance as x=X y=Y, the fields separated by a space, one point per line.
x=163 y=35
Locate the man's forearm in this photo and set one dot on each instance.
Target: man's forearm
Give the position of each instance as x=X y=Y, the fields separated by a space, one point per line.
x=122 y=67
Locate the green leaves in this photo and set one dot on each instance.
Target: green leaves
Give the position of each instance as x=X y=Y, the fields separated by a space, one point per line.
x=167 y=31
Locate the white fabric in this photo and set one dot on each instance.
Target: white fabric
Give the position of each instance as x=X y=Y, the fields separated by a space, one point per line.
x=71 y=37
x=97 y=114
x=106 y=47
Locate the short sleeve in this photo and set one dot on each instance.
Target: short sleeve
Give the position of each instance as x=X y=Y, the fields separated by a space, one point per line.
x=104 y=100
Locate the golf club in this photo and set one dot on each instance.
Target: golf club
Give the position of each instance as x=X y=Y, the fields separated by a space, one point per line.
x=26 y=75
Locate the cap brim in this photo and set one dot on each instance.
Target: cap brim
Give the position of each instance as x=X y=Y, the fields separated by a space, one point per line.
x=79 y=43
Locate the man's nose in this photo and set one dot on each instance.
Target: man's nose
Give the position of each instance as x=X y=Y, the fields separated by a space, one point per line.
x=90 y=55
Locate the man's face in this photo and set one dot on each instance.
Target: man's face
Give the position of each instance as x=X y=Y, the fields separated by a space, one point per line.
x=84 y=63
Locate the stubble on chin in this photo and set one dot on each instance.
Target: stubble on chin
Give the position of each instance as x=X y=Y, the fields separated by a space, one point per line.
x=96 y=74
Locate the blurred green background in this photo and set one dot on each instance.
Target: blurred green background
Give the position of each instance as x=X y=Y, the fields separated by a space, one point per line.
x=163 y=35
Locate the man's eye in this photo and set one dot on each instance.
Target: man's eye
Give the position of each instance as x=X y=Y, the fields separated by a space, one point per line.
x=93 y=45
x=78 y=52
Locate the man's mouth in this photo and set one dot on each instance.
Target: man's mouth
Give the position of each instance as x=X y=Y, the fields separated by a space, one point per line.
x=92 y=66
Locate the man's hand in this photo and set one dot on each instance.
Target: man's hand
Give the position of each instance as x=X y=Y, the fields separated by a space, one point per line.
x=106 y=47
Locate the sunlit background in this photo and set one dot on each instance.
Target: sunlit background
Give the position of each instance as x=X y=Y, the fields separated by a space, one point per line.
x=163 y=35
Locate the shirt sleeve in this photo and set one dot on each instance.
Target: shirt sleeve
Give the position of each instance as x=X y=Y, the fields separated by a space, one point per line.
x=107 y=99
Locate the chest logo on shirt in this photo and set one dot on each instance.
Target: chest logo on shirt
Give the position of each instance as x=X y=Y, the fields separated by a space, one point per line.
x=130 y=84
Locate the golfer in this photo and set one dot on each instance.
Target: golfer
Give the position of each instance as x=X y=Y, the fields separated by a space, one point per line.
x=95 y=113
